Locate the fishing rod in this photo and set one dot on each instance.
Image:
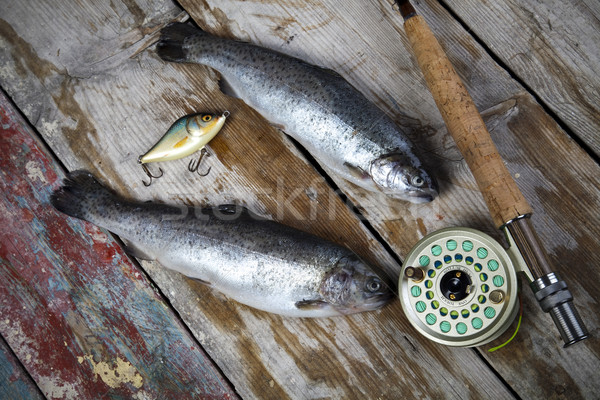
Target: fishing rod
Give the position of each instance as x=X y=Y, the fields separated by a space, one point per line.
x=462 y=271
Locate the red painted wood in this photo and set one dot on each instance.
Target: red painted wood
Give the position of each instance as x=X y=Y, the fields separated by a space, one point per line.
x=81 y=317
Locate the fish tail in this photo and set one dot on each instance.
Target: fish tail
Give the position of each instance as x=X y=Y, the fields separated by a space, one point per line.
x=170 y=46
x=81 y=196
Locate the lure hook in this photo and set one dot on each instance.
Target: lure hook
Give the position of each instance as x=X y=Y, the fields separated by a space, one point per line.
x=193 y=165
x=148 y=173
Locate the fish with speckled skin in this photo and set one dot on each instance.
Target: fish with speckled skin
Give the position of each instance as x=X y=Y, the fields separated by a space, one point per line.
x=254 y=261
x=316 y=106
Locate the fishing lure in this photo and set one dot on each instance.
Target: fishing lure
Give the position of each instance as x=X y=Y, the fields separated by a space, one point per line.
x=186 y=136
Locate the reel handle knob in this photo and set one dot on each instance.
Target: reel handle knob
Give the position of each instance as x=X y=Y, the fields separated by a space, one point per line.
x=414 y=274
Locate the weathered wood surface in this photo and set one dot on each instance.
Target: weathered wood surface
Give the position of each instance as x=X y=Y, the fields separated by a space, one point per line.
x=102 y=110
x=82 y=318
x=14 y=381
x=550 y=45
x=84 y=120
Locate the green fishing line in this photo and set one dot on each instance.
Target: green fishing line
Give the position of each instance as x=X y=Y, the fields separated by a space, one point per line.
x=516 y=330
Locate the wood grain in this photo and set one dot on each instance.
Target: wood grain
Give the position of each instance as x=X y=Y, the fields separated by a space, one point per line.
x=511 y=116
x=15 y=383
x=105 y=120
x=81 y=317
x=85 y=121
x=553 y=47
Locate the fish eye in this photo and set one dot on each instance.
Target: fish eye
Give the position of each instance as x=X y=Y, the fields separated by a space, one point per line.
x=417 y=181
x=206 y=117
x=373 y=285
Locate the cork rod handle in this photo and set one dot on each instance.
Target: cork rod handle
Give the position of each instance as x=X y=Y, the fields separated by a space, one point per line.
x=502 y=196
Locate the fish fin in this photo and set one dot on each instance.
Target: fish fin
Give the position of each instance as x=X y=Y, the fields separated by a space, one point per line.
x=278 y=127
x=232 y=209
x=357 y=172
x=202 y=281
x=311 y=304
x=170 y=46
x=79 y=194
x=182 y=142
x=135 y=251
x=226 y=88
x=331 y=72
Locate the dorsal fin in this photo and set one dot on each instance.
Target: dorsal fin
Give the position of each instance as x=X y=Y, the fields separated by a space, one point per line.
x=232 y=209
x=135 y=251
x=226 y=88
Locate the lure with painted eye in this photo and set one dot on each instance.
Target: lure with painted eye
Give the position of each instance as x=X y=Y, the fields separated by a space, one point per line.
x=186 y=136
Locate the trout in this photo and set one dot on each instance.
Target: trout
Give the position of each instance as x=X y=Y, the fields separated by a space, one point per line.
x=316 y=106
x=255 y=261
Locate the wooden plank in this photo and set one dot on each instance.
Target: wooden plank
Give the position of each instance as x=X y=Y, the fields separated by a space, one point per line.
x=124 y=110
x=14 y=381
x=80 y=316
x=104 y=122
x=552 y=46
x=564 y=217
x=366 y=45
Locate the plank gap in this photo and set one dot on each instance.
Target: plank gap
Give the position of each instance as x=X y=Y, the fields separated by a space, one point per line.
x=580 y=142
x=167 y=300
x=46 y=146
x=493 y=370
x=346 y=200
x=24 y=371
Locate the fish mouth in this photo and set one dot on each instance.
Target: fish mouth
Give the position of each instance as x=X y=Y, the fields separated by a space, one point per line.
x=424 y=196
x=375 y=301
x=396 y=176
x=381 y=300
x=414 y=196
x=371 y=304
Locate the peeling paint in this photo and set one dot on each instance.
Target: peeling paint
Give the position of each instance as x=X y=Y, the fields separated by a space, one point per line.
x=34 y=171
x=68 y=291
x=120 y=373
x=56 y=388
x=50 y=127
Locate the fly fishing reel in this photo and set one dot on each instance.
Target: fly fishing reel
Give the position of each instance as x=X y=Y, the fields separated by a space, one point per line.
x=458 y=287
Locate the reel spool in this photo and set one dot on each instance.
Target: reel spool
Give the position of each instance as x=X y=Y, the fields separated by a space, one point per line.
x=458 y=287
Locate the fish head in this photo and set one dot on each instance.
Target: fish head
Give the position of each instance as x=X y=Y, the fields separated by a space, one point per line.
x=198 y=125
x=400 y=176
x=351 y=287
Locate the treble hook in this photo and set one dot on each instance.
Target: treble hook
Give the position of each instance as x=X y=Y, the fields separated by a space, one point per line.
x=148 y=173
x=193 y=166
